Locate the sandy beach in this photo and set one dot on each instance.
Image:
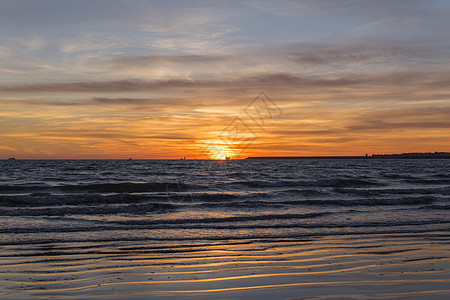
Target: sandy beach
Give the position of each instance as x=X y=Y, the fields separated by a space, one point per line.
x=400 y=266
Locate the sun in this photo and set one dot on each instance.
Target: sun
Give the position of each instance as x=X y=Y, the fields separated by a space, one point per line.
x=220 y=152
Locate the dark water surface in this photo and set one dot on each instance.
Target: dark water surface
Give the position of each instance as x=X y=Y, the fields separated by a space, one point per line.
x=183 y=199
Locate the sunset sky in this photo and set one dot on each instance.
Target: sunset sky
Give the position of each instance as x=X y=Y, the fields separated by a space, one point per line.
x=167 y=79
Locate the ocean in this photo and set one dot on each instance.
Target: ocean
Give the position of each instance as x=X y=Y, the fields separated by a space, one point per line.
x=191 y=228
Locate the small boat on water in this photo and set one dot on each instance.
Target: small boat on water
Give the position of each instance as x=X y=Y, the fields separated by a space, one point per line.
x=11 y=158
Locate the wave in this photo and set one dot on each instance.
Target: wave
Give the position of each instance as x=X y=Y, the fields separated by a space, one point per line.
x=129 y=187
x=235 y=226
x=263 y=223
x=395 y=191
x=48 y=199
x=437 y=206
x=261 y=217
x=120 y=187
x=349 y=182
x=135 y=209
x=428 y=181
x=24 y=188
x=237 y=236
x=301 y=192
x=326 y=202
x=242 y=199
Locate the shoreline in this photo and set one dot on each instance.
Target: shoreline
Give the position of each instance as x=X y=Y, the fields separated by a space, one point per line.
x=359 y=266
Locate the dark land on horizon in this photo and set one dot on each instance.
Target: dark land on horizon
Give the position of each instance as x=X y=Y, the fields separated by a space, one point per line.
x=373 y=156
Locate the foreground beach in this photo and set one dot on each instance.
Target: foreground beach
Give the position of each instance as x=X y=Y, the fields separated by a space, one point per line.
x=360 y=267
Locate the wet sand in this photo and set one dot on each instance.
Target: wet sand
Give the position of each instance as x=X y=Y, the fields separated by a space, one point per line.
x=409 y=266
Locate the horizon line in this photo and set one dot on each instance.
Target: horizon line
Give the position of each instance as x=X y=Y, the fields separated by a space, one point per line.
x=436 y=154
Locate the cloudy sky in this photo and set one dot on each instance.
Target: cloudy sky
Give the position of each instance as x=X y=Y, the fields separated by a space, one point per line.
x=166 y=79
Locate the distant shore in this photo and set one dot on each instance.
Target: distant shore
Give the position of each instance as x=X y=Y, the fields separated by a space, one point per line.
x=373 y=156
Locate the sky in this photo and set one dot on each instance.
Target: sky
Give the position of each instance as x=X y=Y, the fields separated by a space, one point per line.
x=104 y=79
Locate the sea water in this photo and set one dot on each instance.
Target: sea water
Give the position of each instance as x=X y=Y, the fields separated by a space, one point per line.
x=54 y=201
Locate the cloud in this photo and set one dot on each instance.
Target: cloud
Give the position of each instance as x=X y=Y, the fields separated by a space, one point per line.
x=339 y=54
x=372 y=51
x=102 y=86
x=40 y=101
x=5 y=52
x=124 y=101
x=113 y=135
x=280 y=80
x=303 y=132
x=94 y=42
x=418 y=117
x=425 y=79
x=351 y=8
x=380 y=125
x=158 y=60
x=168 y=103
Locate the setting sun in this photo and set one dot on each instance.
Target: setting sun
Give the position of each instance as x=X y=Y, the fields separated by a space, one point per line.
x=217 y=151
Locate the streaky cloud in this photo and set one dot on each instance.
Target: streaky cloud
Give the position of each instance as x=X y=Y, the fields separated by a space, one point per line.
x=158 y=60
x=281 y=80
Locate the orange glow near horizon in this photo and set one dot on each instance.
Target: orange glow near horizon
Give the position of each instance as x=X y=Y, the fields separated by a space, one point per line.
x=121 y=131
